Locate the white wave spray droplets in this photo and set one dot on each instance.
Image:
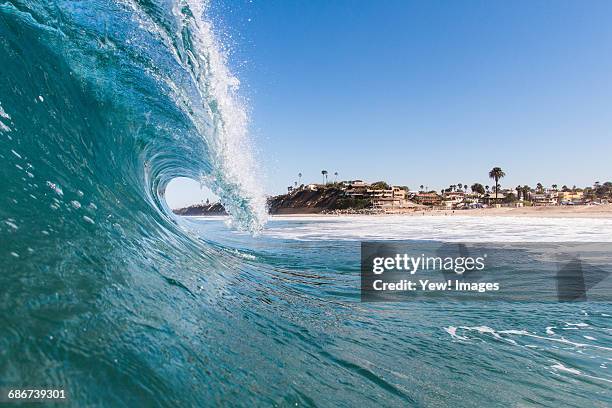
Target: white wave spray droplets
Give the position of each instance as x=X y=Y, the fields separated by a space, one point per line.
x=221 y=118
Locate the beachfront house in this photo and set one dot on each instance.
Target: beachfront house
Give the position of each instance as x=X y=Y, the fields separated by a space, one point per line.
x=390 y=199
x=570 y=196
x=430 y=199
x=382 y=199
x=355 y=183
x=545 y=198
x=472 y=198
x=454 y=199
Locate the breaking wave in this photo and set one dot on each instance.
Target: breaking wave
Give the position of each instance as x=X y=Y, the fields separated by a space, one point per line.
x=105 y=95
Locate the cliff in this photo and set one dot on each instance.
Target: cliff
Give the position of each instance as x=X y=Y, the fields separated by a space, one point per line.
x=201 y=209
x=299 y=202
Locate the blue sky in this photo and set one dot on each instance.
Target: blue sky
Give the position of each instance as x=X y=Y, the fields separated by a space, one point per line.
x=431 y=92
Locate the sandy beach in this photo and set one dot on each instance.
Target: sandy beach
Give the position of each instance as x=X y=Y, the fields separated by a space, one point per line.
x=578 y=211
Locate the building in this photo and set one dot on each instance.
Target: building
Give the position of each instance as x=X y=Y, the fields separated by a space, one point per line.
x=393 y=198
x=430 y=199
x=356 y=192
x=570 y=196
x=453 y=199
x=549 y=197
x=472 y=198
x=355 y=183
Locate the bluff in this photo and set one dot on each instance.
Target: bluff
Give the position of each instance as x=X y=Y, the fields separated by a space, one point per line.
x=303 y=201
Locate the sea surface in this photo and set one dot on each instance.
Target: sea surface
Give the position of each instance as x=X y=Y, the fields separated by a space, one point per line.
x=107 y=295
x=300 y=279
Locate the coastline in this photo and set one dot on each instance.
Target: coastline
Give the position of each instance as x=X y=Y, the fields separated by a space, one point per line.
x=583 y=211
x=603 y=211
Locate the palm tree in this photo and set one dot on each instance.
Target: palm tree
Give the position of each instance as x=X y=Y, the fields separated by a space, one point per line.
x=487 y=188
x=422 y=187
x=526 y=191
x=460 y=186
x=478 y=188
x=518 y=191
x=554 y=186
x=496 y=173
x=324 y=173
x=335 y=176
x=300 y=178
x=539 y=187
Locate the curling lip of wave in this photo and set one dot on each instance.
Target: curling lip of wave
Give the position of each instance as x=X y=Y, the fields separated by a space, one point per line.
x=171 y=66
x=218 y=114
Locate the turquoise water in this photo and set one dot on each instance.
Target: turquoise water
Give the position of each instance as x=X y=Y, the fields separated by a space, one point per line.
x=316 y=344
x=108 y=296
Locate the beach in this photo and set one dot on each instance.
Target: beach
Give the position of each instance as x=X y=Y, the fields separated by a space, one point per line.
x=558 y=211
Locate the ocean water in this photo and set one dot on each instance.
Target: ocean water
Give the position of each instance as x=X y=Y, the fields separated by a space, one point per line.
x=105 y=294
x=329 y=349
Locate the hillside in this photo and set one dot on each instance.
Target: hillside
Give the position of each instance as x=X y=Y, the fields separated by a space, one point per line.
x=303 y=201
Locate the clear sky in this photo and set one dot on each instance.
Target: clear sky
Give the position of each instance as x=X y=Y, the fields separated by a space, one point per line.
x=428 y=92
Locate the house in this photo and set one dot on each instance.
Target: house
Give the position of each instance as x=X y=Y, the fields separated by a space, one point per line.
x=453 y=199
x=355 y=183
x=356 y=192
x=547 y=197
x=431 y=199
x=395 y=197
x=391 y=199
x=473 y=198
x=570 y=196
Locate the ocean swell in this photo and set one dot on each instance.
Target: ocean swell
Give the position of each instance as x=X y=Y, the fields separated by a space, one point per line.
x=102 y=104
x=135 y=89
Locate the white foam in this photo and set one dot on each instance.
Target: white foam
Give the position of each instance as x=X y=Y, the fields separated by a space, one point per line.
x=497 y=335
x=577 y=324
x=561 y=367
x=4 y=128
x=3 y=114
x=11 y=224
x=589 y=337
x=444 y=228
x=232 y=150
x=453 y=332
x=56 y=188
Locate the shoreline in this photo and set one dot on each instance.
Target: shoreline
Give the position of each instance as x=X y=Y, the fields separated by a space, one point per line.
x=603 y=211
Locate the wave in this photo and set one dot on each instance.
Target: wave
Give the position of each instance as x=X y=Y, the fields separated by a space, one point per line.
x=102 y=104
x=106 y=295
x=135 y=90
